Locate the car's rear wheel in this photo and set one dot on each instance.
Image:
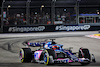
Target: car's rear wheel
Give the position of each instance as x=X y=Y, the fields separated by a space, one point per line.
x=25 y=55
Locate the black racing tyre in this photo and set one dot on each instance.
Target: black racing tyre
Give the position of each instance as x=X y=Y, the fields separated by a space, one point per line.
x=84 y=53
x=51 y=53
x=46 y=56
x=25 y=55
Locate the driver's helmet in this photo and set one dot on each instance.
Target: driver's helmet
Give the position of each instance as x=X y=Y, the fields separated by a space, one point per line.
x=55 y=47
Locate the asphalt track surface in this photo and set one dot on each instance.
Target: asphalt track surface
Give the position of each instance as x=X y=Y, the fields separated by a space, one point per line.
x=10 y=45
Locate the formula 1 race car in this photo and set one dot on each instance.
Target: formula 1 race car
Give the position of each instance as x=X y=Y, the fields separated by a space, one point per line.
x=51 y=53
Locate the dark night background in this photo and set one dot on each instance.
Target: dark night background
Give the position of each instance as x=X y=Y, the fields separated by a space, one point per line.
x=17 y=13
x=92 y=4
x=0 y=5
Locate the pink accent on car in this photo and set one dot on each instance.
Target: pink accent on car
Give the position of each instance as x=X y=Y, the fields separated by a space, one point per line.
x=28 y=43
x=82 y=52
x=60 y=59
x=70 y=61
x=39 y=54
x=80 y=59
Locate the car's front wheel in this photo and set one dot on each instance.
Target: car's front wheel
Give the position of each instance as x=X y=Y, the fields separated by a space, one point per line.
x=46 y=57
x=84 y=53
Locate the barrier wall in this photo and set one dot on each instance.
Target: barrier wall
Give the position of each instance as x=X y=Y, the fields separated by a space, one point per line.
x=49 y=28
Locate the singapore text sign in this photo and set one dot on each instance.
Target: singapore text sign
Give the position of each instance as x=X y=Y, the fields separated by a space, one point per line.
x=73 y=28
x=26 y=29
x=46 y=28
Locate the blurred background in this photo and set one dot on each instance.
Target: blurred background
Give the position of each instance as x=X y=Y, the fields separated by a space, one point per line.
x=49 y=12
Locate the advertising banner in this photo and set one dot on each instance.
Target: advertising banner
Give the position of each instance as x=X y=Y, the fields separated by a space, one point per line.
x=48 y=28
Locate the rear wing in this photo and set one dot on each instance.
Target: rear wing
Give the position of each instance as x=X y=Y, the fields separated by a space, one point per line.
x=35 y=44
x=38 y=43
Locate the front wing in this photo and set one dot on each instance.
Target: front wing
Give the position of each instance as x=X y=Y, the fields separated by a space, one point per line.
x=68 y=60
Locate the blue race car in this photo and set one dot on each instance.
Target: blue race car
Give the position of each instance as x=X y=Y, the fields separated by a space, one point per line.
x=50 y=53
